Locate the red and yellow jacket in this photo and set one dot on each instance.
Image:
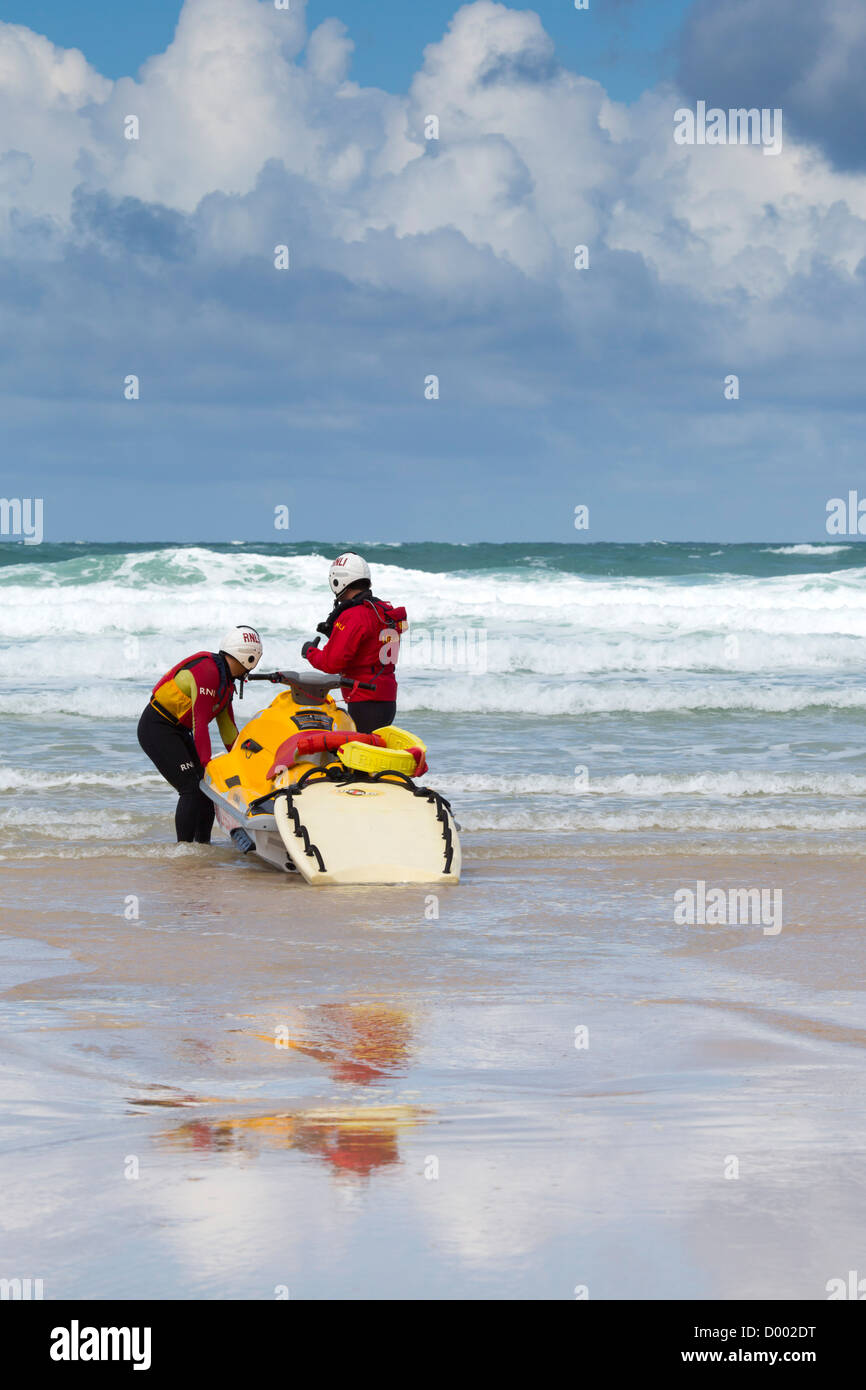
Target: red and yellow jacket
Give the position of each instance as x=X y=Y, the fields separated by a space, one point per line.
x=194 y=692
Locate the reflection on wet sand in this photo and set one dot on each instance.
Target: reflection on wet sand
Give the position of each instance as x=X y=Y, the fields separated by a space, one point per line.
x=357 y=1044
x=351 y=1139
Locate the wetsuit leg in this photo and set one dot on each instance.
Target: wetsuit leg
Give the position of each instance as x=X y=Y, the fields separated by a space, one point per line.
x=204 y=820
x=172 y=751
x=369 y=715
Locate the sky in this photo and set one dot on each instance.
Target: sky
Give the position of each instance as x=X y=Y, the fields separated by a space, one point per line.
x=310 y=385
x=627 y=44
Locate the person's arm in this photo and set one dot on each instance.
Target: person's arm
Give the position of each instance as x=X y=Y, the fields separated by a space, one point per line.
x=227 y=726
x=201 y=711
x=336 y=656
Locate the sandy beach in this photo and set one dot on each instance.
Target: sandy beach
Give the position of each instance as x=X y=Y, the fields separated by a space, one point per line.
x=254 y=1086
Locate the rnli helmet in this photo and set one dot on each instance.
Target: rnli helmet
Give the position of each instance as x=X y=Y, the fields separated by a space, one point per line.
x=346 y=570
x=244 y=644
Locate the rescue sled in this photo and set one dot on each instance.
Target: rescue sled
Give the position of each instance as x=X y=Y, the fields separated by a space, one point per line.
x=304 y=791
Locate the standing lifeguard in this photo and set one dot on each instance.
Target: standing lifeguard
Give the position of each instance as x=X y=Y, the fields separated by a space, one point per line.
x=363 y=643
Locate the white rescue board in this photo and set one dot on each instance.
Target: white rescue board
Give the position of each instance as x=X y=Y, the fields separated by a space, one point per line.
x=368 y=832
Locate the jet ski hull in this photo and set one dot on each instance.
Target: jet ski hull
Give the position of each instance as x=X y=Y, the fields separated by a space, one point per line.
x=322 y=820
x=355 y=831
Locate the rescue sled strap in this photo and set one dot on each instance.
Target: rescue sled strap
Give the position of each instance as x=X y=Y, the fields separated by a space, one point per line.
x=301 y=831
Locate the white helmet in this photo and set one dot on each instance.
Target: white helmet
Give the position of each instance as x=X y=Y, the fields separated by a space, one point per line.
x=244 y=644
x=347 y=569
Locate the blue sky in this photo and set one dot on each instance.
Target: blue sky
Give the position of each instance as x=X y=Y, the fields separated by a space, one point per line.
x=627 y=44
x=413 y=257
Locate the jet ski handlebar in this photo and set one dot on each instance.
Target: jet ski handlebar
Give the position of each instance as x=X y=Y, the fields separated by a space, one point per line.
x=317 y=682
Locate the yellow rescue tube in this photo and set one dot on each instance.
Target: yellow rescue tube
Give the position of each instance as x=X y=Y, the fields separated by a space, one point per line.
x=394 y=757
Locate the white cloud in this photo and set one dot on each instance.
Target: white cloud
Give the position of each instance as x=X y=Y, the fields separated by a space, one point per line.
x=44 y=91
x=531 y=160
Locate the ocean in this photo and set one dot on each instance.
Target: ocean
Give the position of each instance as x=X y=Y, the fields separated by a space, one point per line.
x=631 y=693
x=549 y=1081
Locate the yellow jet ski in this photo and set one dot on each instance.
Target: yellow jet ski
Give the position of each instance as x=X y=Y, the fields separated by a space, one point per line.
x=303 y=790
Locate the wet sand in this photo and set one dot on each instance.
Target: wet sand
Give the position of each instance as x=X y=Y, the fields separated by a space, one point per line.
x=256 y=1086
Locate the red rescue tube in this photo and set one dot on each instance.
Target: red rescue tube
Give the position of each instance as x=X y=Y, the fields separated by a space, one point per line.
x=420 y=761
x=303 y=745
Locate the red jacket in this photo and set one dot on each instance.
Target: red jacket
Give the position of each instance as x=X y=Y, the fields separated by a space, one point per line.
x=364 y=644
x=205 y=695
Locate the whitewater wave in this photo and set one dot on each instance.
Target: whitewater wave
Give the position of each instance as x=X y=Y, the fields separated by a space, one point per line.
x=650 y=785
x=104 y=830
x=519 y=696
x=660 y=820
x=635 y=785
x=16 y=779
x=192 y=593
x=804 y=549
x=434 y=650
x=170 y=852
x=73 y=825
x=531 y=699
x=489 y=846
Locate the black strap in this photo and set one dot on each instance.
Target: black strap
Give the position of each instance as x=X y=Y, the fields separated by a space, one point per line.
x=161 y=709
x=343 y=606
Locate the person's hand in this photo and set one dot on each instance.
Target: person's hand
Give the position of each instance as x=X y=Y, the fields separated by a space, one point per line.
x=308 y=646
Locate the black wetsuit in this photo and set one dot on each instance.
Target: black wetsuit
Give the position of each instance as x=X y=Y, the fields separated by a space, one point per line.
x=171 y=748
x=369 y=715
